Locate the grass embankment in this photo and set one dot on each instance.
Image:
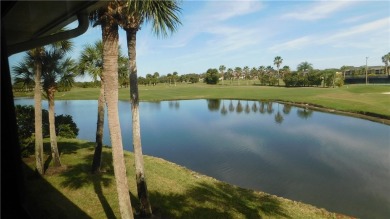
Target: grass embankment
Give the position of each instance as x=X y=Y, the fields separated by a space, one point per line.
x=175 y=192
x=362 y=99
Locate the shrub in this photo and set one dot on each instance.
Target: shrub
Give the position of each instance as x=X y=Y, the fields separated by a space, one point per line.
x=212 y=76
x=25 y=118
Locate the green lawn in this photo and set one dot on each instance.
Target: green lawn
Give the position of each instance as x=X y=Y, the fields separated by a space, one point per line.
x=363 y=99
x=175 y=192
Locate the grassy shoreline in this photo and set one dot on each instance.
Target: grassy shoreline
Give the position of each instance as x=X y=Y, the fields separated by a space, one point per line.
x=175 y=192
x=363 y=101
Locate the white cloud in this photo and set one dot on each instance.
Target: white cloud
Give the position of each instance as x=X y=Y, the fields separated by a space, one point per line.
x=212 y=19
x=355 y=19
x=292 y=44
x=381 y=24
x=350 y=37
x=318 y=10
x=224 y=10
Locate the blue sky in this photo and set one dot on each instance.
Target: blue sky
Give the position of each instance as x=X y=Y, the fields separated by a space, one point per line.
x=328 y=34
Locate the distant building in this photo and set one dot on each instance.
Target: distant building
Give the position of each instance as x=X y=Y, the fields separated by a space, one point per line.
x=351 y=71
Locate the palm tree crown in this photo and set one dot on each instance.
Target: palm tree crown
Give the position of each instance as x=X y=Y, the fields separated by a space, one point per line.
x=305 y=67
x=162 y=15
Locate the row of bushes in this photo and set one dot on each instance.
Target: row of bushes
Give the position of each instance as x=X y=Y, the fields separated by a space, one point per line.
x=313 y=79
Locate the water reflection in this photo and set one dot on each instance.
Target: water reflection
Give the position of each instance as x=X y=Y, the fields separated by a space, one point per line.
x=263 y=107
x=231 y=107
x=174 y=104
x=239 y=107
x=304 y=113
x=286 y=108
x=213 y=104
x=270 y=109
x=223 y=110
x=278 y=116
x=247 y=109
x=155 y=105
x=331 y=161
x=254 y=107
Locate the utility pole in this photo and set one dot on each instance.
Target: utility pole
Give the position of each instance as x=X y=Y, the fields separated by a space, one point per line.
x=366 y=72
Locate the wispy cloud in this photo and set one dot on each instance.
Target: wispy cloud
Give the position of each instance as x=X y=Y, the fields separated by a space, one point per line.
x=381 y=24
x=350 y=37
x=212 y=19
x=292 y=44
x=355 y=19
x=318 y=10
x=224 y=10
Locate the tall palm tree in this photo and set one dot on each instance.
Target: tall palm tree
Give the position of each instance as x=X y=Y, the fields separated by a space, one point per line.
x=278 y=61
x=30 y=70
x=56 y=71
x=91 y=63
x=105 y=17
x=36 y=55
x=33 y=66
x=164 y=19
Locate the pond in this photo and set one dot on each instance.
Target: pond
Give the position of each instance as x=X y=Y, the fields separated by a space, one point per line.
x=335 y=162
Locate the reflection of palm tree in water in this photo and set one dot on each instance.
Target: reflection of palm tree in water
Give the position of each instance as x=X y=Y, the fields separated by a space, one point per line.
x=286 y=108
x=262 y=108
x=247 y=109
x=223 y=110
x=254 y=107
x=231 y=107
x=239 y=108
x=174 y=104
x=304 y=113
x=270 y=109
x=278 y=116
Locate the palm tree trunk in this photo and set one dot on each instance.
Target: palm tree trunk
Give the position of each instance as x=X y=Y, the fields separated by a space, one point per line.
x=97 y=156
x=145 y=208
x=38 y=118
x=110 y=74
x=52 y=129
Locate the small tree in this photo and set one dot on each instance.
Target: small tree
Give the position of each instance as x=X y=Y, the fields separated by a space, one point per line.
x=339 y=80
x=212 y=76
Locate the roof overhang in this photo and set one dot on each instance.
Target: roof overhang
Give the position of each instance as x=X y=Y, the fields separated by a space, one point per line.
x=30 y=24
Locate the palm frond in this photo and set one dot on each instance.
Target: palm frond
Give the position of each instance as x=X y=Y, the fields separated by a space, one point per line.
x=163 y=14
x=91 y=60
x=24 y=72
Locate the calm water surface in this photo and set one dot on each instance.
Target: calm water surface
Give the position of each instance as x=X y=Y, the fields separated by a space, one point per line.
x=335 y=162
